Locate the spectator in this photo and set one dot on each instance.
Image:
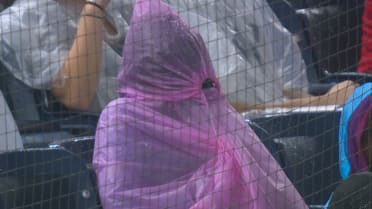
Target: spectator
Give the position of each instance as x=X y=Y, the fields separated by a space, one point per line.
x=355 y=150
x=270 y=68
x=38 y=45
x=171 y=140
x=35 y=50
x=59 y=45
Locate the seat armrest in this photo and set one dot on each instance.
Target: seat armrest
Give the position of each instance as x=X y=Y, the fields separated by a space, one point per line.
x=360 y=78
x=317 y=89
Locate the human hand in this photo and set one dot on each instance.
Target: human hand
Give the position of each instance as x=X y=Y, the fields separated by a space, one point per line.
x=345 y=86
x=340 y=92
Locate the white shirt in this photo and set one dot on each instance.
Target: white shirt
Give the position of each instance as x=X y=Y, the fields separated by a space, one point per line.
x=35 y=37
x=261 y=59
x=254 y=56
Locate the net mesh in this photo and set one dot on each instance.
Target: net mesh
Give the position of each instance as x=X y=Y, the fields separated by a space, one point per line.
x=183 y=103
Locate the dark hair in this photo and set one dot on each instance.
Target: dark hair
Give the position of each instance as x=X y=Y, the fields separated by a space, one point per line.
x=353 y=193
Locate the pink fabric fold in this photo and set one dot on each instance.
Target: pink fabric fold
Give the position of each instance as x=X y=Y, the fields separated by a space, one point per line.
x=167 y=142
x=357 y=125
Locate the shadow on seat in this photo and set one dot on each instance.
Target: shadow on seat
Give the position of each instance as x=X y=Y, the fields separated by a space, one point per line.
x=306 y=146
x=44 y=179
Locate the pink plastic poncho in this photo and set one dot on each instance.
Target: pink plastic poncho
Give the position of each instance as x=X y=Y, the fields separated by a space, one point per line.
x=171 y=140
x=357 y=125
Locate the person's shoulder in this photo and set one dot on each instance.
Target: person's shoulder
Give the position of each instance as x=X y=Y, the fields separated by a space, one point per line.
x=119 y=108
x=117 y=116
x=119 y=104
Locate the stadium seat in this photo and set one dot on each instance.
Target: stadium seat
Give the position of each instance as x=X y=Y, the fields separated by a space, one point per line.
x=305 y=145
x=287 y=15
x=10 y=138
x=44 y=179
x=82 y=147
x=329 y=34
x=334 y=31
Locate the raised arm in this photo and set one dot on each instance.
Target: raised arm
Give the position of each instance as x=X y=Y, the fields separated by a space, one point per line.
x=78 y=79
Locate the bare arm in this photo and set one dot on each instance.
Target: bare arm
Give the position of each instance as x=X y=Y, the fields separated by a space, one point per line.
x=337 y=95
x=79 y=75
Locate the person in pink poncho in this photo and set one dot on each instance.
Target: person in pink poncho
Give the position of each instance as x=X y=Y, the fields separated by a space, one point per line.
x=171 y=140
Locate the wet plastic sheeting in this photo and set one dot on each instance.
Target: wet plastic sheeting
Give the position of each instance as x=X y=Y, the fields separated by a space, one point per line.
x=267 y=58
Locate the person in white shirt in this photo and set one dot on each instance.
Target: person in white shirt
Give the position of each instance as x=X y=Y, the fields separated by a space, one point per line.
x=73 y=48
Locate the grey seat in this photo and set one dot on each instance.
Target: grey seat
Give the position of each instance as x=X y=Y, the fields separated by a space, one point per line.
x=329 y=34
x=10 y=138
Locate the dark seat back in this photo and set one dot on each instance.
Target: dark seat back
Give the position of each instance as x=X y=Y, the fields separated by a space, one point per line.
x=20 y=98
x=334 y=28
x=329 y=34
x=5 y=3
x=45 y=178
x=82 y=147
x=287 y=15
x=307 y=149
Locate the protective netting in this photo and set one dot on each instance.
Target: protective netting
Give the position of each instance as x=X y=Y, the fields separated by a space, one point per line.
x=185 y=104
